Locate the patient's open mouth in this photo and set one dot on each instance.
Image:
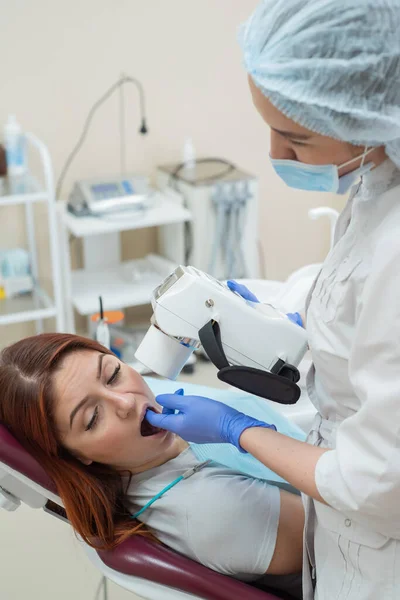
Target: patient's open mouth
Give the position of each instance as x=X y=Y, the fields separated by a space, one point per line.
x=146 y=429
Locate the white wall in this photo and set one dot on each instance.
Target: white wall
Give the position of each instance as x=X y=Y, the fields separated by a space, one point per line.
x=41 y=559
x=58 y=57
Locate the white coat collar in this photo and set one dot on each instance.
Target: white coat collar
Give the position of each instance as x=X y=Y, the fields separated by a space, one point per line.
x=379 y=180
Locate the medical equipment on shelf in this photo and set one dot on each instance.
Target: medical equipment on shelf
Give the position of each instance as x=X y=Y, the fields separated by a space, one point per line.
x=143 y=130
x=105 y=196
x=229 y=203
x=255 y=346
x=15 y=273
x=222 y=238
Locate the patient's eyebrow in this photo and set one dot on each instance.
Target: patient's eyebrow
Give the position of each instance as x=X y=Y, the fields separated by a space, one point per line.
x=99 y=365
x=86 y=398
x=76 y=409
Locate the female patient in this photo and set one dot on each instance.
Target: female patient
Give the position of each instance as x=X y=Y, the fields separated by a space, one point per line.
x=80 y=412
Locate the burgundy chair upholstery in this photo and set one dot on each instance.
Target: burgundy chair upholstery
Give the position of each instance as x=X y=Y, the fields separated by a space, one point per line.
x=138 y=556
x=16 y=457
x=157 y=563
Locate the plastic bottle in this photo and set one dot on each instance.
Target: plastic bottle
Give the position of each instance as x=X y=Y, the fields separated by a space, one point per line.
x=189 y=155
x=15 y=147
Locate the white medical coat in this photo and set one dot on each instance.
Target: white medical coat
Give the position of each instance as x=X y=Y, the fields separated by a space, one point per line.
x=353 y=321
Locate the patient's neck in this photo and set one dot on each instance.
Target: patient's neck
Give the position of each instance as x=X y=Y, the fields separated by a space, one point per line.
x=175 y=449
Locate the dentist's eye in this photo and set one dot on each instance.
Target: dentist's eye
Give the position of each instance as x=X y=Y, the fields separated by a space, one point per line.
x=115 y=375
x=296 y=143
x=93 y=420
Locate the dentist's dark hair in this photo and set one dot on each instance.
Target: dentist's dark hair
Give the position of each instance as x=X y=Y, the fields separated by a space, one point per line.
x=93 y=496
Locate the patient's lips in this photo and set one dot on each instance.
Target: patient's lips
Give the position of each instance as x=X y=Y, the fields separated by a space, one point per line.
x=146 y=429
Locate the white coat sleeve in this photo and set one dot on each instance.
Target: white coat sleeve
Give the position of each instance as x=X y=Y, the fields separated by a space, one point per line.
x=361 y=476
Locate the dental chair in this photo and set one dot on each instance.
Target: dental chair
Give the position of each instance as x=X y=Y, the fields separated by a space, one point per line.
x=150 y=570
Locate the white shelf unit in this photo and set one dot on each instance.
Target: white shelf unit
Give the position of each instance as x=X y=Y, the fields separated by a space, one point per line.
x=166 y=209
x=121 y=284
x=116 y=286
x=26 y=190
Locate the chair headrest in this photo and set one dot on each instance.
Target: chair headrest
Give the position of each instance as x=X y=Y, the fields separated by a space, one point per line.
x=16 y=457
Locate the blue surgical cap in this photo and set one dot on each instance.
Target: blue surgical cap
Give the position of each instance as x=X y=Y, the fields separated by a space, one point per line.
x=332 y=66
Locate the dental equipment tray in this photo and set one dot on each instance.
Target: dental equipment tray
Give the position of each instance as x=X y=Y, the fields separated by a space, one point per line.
x=108 y=195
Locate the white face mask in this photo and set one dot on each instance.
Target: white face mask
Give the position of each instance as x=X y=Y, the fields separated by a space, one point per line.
x=320 y=178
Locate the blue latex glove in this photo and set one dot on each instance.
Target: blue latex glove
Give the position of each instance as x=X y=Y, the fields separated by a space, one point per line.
x=295 y=318
x=201 y=420
x=243 y=291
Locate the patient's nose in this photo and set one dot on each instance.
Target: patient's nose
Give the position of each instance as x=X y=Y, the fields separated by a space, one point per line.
x=124 y=404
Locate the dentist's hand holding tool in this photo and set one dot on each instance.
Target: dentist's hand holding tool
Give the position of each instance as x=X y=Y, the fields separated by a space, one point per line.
x=202 y=420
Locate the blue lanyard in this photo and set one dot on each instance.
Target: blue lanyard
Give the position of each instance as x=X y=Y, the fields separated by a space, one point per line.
x=186 y=475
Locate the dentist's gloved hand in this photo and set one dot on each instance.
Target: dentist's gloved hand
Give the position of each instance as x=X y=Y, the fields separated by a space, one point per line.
x=243 y=291
x=201 y=420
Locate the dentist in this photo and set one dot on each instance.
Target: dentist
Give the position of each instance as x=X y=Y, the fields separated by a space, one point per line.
x=325 y=77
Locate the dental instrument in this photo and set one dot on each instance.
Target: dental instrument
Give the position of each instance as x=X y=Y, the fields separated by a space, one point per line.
x=185 y=475
x=102 y=331
x=230 y=206
x=223 y=200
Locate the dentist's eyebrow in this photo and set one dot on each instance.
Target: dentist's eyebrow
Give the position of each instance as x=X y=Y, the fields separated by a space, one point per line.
x=86 y=398
x=292 y=134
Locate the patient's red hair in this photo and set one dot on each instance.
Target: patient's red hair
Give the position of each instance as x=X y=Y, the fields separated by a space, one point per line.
x=93 y=496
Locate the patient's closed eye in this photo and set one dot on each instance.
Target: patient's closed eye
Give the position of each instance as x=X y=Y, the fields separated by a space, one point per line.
x=93 y=420
x=115 y=376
